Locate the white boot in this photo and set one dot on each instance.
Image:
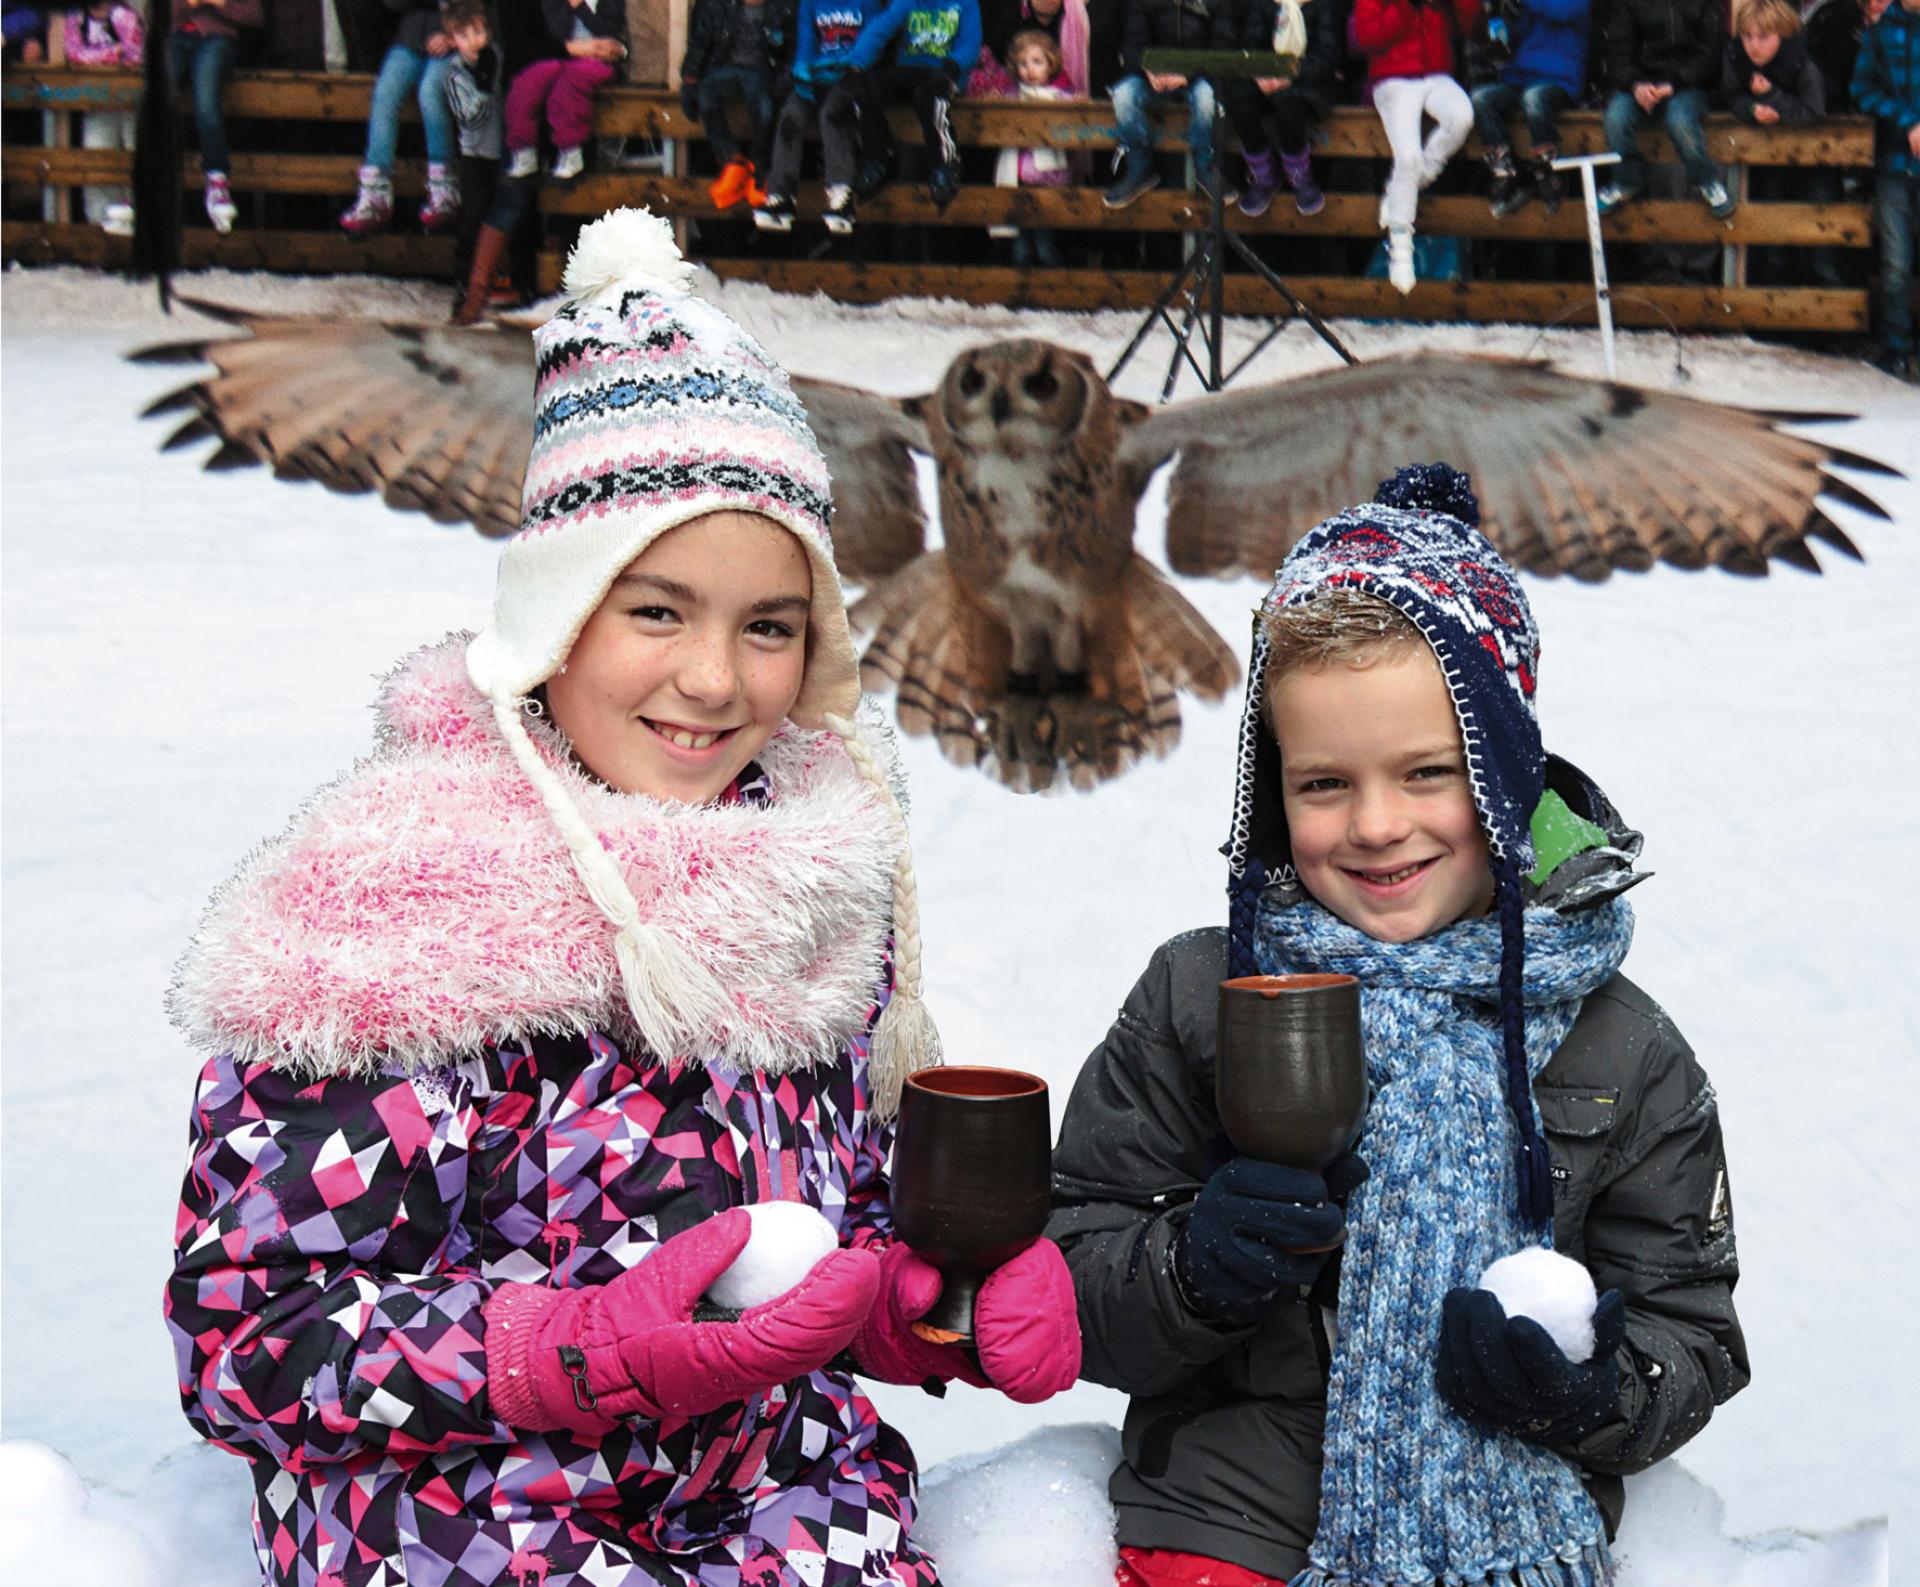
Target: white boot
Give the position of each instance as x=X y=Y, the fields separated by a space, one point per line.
x=1400 y=257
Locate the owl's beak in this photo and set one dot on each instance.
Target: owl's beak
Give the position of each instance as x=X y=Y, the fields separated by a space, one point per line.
x=1002 y=408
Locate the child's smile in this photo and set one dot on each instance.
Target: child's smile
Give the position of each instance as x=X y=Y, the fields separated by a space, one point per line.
x=1379 y=809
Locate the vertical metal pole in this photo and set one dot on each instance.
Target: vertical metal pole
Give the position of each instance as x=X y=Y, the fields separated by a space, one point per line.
x=1217 y=219
x=1602 y=293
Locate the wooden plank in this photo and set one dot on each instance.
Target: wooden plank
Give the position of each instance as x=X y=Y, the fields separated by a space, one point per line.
x=1351 y=130
x=252 y=173
x=1527 y=303
x=1346 y=214
x=294 y=252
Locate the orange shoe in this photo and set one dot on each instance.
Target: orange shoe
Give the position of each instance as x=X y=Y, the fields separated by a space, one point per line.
x=730 y=186
x=756 y=194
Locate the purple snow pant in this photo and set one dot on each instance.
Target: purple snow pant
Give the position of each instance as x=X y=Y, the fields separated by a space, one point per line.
x=566 y=89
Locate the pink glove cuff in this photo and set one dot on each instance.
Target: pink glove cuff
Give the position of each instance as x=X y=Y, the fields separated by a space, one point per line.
x=886 y=1347
x=525 y=1389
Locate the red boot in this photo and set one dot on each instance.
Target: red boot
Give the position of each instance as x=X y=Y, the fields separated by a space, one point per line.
x=730 y=186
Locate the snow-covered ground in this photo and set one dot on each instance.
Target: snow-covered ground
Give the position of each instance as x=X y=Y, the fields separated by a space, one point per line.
x=186 y=656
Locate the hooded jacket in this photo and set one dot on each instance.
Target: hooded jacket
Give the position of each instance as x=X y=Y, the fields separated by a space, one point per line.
x=710 y=36
x=1798 y=93
x=1401 y=38
x=1664 y=41
x=421 y=1083
x=1550 y=45
x=1221 y=1444
x=1318 y=76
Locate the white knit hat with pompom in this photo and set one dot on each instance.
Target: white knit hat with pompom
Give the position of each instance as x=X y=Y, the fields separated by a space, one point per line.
x=653 y=408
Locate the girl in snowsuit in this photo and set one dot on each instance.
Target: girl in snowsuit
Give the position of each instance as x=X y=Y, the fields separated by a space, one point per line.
x=612 y=937
x=1376 y=1415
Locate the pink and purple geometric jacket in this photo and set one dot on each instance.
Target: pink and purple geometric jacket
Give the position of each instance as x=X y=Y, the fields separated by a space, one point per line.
x=366 y=1169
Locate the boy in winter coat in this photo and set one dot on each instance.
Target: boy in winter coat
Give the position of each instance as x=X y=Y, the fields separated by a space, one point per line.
x=1768 y=76
x=1663 y=61
x=107 y=33
x=917 y=52
x=201 y=53
x=1542 y=77
x=612 y=940
x=1411 y=47
x=1166 y=24
x=1323 y=1414
x=825 y=36
x=736 y=50
x=1886 y=86
x=1296 y=101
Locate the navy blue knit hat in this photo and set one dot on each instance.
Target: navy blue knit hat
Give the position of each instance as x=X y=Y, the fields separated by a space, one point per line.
x=1415 y=548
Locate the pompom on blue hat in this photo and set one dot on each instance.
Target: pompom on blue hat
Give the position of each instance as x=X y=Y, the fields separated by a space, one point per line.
x=1416 y=548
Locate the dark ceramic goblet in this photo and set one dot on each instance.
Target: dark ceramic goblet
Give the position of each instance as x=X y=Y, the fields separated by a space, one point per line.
x=1290 y=1074
x=972 y=1180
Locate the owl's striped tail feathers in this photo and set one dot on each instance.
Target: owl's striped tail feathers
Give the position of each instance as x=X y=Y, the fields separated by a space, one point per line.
x=950 y=661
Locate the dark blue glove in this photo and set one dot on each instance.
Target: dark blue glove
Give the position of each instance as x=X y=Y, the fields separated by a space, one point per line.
x=1507 y=1373
x=690 y=99
x=1251 y=1225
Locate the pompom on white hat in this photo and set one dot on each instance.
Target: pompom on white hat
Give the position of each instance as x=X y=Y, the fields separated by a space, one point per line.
x=653 y=408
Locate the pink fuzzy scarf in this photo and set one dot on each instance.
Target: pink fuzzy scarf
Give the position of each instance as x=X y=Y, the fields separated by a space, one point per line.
x=424 y=905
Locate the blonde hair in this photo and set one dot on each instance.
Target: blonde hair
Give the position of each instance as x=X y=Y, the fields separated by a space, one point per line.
x=1336 y=625
x=1034 y=39
x=1777 y=17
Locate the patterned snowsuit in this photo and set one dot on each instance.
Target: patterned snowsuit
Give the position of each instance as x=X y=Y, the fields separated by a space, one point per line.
x=345 y=1218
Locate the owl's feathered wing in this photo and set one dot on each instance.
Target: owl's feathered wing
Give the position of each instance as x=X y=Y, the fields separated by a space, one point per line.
x=879 y=520
x=436 y=419
x=1574 y=476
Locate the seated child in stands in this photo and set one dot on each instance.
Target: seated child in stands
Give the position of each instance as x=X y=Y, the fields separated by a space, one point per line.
x=1886 y=86
x=491 y=205
x=1663 y=59
x=107 y=33
x=591 y=35
x=1304 y=97
x=824 y=37
x=26 y=34
x=415 y=67
x=918 y=52
x=1036 y=64
x=1064 y=21
x=1542 y=77
x=736 y=50
x=1410 y=59
x=1165 y=24
x=1311 y=1412
x=201 y=52
x=1769 y=76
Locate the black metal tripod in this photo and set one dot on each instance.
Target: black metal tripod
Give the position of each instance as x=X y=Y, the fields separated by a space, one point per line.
x=1202 y=278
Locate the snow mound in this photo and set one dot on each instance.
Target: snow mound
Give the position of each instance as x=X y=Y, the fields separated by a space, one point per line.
x=1031 y=1514
x=48 y=1534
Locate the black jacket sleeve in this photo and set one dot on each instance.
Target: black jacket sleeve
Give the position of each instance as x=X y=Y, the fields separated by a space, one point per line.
x=1135 y=1147
x=1659 y=1229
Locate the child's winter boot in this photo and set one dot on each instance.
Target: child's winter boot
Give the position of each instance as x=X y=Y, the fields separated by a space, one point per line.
x=523 y=163
x=489 y=247
x=1400 y=258
x=839 y=216
x=1260 y=185
x=442 y=207
x=1544 y=179
x=1510 y=191
x=372 y=206
x=730 y=186
x=1298 y=170
x=776 y=214
x=220 y=207
x=568 y=163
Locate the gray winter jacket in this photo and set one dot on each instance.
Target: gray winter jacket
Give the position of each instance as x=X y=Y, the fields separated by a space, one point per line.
x=1221 y=1447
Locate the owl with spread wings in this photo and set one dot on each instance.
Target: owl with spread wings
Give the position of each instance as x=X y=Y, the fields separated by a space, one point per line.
x=1035 y=642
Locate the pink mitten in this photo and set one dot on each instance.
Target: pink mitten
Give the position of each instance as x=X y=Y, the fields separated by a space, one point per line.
x=581 y=1358
x=1026 y=1328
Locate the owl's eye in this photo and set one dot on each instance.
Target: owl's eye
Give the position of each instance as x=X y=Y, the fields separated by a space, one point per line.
x=972 y=382
x=1042 y=385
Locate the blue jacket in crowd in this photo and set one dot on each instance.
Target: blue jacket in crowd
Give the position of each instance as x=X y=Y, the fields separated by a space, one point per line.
x=1886 y=85
x=825 y=35
x=944 y=33
x=1550 y=45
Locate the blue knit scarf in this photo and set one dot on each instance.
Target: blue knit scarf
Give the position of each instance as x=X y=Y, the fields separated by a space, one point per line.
x=1410 y=1492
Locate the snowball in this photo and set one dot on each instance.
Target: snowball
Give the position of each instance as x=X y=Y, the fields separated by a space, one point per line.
x=1554 y=1290
x=627 y=250
x=788 y=1238
x=47 y=1535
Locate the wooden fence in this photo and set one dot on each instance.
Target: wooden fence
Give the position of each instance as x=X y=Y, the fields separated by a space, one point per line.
x=43 y=180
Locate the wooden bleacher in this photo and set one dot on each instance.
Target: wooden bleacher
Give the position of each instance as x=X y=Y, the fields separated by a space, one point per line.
x=42 y=182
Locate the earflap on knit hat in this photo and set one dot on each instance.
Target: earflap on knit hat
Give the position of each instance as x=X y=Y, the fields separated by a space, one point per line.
x=1416 y=548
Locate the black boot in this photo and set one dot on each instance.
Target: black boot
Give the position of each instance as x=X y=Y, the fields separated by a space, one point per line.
x=1545 y=181
x=1510 y=190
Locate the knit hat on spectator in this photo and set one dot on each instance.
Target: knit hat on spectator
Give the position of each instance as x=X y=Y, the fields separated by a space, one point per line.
x=1415 y=548
x=653 y=408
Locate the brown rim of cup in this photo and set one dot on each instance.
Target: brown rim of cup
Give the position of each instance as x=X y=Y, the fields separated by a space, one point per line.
x=980 y=1082
x=1275 y=985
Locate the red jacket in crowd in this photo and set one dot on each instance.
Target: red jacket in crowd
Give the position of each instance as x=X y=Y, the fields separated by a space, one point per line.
x=1402 y=39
